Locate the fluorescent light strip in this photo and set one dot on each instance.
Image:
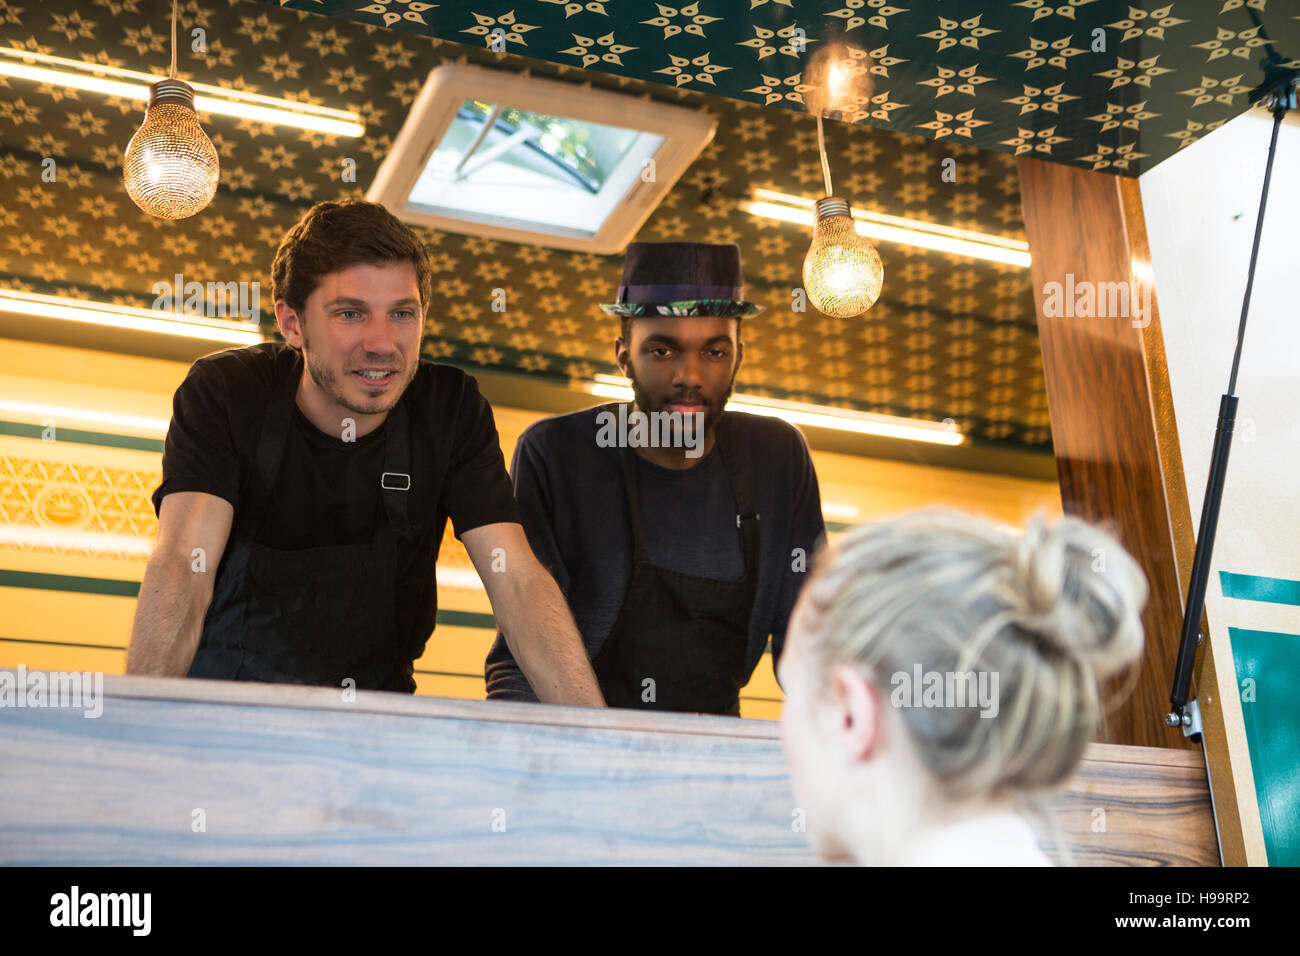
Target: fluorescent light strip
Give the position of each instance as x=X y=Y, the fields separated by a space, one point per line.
x=138 y=423
x=210 y=99
x=874 y=225
x=846 y=512
x=70 y=540
x=127 y=317
x=465 y=579
x=800 y=413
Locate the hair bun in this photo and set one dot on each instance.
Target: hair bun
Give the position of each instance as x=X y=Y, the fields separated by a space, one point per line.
x=1081 y=592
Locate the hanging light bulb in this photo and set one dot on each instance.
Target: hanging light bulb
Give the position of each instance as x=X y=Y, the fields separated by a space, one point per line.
x=842 y=272
x=170 y=167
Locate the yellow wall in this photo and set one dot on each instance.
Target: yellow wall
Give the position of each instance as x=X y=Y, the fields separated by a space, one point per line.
x=69 y=487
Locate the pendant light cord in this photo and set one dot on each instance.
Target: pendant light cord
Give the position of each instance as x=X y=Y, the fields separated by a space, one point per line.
x=821 y=148
x=172 y=74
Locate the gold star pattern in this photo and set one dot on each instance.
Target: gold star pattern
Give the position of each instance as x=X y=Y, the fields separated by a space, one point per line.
x=772 y=90
x=72 y=26
x=851 y=14
x=681 y=69
x=326 y=42
x=571 y=7
x=1043 y=53
x=1042 y=8
x=690 y=12
x=1151 y=23
x=953 y=124
x=968 y=33
x=1139 y=73
x=1048 y=98
x=585 y=49
x=1240 y=44
x=1185 y=136
x=1119 y=157
x=1117 y=116
x=1035 y=141
x=955 y=81
x=260 y=29
x=1217 y=91
x=762 y=41
x=505 y=26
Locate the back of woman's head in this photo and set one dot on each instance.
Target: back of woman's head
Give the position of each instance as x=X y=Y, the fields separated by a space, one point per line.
x=1042 y=617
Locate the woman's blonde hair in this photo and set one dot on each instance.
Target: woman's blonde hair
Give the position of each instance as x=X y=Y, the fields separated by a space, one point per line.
x=1051 y=612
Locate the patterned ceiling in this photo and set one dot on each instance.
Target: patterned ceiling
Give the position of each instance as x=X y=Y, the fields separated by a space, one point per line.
x=1102 y=84
x=950 y=337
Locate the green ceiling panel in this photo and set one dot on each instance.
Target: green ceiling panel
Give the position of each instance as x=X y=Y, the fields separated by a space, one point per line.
x=1103 y=84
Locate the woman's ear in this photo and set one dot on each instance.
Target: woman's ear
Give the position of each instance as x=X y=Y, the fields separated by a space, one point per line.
x=854 y=706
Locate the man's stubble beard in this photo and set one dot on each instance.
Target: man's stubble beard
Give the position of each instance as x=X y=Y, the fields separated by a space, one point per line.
x=327 y=382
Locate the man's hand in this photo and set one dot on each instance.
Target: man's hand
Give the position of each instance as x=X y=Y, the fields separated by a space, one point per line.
x=532 y=614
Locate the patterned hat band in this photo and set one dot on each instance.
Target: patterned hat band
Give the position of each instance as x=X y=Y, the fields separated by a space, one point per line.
x=677 y=292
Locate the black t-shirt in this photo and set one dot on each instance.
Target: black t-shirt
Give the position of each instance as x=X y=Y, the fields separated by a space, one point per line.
x=688 y=516
x=321 y=498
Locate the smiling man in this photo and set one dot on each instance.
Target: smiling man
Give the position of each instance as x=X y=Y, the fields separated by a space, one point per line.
x=306 y=487
x=678 y=562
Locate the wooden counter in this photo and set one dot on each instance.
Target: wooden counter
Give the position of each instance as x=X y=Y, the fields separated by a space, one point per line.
x=296 y=775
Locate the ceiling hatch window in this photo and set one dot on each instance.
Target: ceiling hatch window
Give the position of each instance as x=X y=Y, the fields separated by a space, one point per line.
x=535 y=160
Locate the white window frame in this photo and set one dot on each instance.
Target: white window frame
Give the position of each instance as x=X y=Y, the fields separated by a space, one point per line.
x=686 y=133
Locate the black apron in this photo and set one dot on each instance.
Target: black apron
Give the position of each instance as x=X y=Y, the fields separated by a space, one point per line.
x=314 y=615
x=688 y=634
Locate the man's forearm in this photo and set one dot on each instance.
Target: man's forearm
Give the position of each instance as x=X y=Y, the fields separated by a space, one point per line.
x=544 y=641
x=168 y=620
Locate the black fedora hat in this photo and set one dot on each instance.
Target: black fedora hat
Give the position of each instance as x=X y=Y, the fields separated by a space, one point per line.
x=682 y=278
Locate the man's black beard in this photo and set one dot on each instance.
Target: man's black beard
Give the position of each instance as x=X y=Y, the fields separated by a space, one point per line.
x=712 y=412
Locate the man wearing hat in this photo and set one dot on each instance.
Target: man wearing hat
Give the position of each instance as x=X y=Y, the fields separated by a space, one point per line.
x=678 y=562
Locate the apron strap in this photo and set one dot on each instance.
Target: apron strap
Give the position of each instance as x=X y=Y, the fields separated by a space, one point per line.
x=634 y=514
x=271 y=442
x=396 y=478
x=747 y=517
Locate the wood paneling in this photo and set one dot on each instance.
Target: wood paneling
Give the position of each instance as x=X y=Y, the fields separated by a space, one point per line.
x=1103 y=412
x=299 y=775
x=1214 y=738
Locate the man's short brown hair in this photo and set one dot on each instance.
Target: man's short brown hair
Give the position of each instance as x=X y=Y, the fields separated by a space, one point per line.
x=335 y=235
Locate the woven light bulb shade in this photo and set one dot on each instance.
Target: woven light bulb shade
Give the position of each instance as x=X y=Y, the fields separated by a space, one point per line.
x=842 y=273
x=171 y=168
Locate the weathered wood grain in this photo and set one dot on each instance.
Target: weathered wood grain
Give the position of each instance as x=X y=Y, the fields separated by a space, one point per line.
x=295 y=775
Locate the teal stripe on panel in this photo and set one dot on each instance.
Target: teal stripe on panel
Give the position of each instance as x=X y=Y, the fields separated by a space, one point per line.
x=68 y=582
x=82 y=585
x=467 y=619
x=1255 y=587
x=93 y=647
x=1266 y=664
x=77 y=436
